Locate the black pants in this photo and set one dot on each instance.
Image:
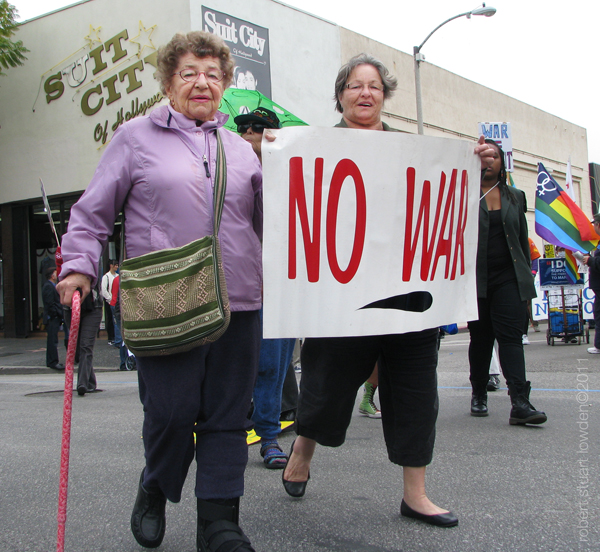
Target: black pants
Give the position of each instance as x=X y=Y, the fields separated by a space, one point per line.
x=597 y=318
x=501 y=316
x=289 y=396
x=333 y=370
x=89 y=325
x=210 y=386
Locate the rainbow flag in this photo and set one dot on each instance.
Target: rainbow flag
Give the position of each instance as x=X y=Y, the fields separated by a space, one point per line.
x=571 y=267
x=558 y=219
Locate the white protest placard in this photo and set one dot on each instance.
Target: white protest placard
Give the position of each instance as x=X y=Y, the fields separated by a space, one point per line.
x=501 y=133
x=367 y=232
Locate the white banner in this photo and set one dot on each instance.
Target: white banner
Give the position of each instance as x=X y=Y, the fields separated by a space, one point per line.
x=367 y=232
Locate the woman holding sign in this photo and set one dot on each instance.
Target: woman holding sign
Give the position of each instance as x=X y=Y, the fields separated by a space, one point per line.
x=504 y=285
x=333 y=369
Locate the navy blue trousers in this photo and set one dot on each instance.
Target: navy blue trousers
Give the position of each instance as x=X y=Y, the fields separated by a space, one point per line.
x=333 y=370
x=52 y=327
x=210 y=386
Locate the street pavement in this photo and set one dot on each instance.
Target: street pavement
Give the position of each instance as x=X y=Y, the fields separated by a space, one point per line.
x=513 y=488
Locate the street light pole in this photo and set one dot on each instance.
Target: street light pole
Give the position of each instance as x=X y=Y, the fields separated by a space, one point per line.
x=419 y=57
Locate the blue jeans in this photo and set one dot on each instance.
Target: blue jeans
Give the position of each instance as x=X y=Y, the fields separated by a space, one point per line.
x=275 y=356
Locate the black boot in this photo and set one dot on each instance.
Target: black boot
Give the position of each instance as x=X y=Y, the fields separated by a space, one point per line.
x=218 y=529
x=148 y=516
x=479 y=401
x=522 y=411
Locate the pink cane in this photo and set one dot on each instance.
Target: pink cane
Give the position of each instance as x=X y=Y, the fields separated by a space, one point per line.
x=66 y=430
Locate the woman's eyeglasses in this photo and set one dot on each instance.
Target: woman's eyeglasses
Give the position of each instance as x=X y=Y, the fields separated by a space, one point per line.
x=356 y=86
x=256 y=127
x=191 y=75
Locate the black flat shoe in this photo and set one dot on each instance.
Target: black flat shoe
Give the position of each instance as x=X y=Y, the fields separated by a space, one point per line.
x=294 y=488
x=81 y=391
x=439 y=520
x=148 y=516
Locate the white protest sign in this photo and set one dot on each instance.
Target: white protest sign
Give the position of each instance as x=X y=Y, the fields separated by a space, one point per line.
x=502 y=135
x=356 y=220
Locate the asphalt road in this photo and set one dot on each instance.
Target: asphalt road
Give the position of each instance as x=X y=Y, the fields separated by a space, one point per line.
x=513 y=488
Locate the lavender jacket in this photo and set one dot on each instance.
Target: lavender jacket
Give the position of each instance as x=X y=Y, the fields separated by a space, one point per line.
x=154 y=170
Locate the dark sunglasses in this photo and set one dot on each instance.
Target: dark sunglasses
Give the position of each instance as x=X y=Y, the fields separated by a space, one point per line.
x=256 y=127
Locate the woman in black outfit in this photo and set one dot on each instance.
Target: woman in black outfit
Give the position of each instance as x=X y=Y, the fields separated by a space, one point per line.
x=504 y=285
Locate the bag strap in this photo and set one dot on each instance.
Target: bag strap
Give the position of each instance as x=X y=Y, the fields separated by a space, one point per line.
x=220 y=183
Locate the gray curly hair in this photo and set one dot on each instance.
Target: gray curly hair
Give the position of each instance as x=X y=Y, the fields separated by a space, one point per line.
x=199 y=43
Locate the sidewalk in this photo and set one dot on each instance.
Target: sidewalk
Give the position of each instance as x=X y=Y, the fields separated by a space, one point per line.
x=28 y=355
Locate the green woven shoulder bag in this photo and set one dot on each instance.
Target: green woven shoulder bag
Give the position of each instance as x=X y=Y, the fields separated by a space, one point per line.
x=174 y=300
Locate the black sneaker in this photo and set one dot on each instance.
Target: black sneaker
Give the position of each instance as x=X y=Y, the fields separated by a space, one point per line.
x=493 y=383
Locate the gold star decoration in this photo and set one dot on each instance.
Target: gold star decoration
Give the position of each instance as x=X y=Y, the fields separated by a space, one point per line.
x=91 y=40
x=144 y=39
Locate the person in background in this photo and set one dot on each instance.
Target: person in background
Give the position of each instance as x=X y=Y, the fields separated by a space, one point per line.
x=367 y=406
x=251 y=126
x=275 y=354
x=160 y=170
x=115 y=307
x=239 y=79
x=250 y=81
x=105 y=288
x=592 y=261
x=89 y=324
x=504 y=285
x=333 y=369
x=53 y=317
x=493 y=383
x=534 y=255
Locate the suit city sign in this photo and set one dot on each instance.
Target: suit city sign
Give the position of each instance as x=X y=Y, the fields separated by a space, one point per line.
x=367 y=232
x=104 y=72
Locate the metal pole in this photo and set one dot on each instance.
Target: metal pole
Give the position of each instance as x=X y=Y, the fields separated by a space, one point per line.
x=418 y=58
x=418 y=90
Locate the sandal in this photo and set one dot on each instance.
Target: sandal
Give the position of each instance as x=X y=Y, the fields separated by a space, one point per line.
x=224 y=536
x=274 y=457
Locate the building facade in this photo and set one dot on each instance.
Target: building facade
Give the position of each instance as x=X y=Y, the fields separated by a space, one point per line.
x=90 y=69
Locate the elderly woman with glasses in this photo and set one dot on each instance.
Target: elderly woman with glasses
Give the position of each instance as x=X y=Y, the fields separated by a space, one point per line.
x=333 y=369
x=160 y=170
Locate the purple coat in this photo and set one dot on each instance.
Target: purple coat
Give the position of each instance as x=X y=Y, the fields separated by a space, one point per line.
x=153 y=169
